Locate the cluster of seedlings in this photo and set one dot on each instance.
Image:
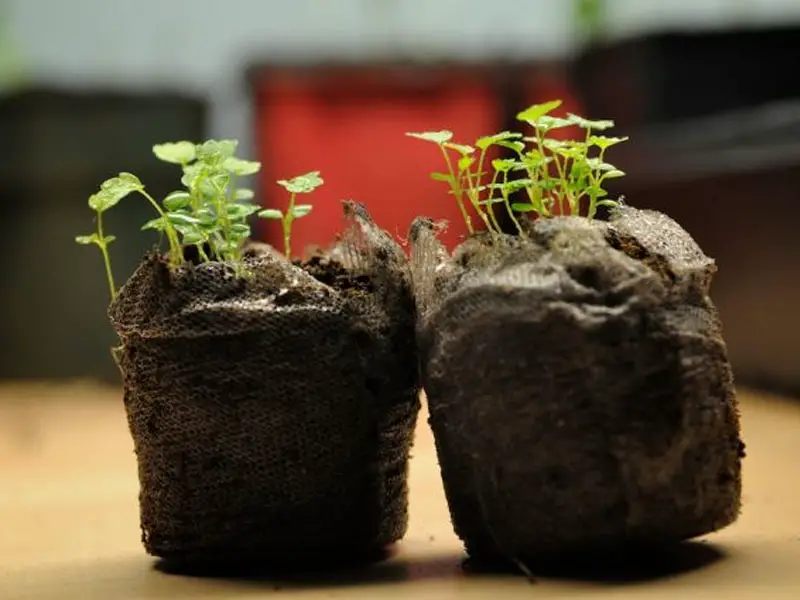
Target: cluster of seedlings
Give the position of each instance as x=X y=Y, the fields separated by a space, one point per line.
x=339 y=365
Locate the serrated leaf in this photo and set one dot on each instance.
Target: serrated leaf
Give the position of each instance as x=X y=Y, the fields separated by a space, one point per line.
x=86 y=240
x=462 y=149
x=486 y=141
x=177 y=200
x=302 y=184
x=175 y=152
x=240 y=167
x=437 y=137
x=588 y=124
x=604 y=142
x=520 y=207
x=301 y=210
x=244 y=194
x=533 y=113
x=271 y=213
x=115 y=189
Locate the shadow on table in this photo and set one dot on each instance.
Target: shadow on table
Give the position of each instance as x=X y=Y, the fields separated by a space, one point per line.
x=392 y=567
x=642 y=566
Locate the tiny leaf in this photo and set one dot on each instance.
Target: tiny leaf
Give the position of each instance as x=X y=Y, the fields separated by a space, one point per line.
x=588 y=124
x=503 y=164
x=193 y=237
x=302 y=184
x=175 y=152
x=241 y=229
x=237 y=166
x=533 y=113
x=465 y=162
x=519 y=207
x=604 y=142
x=490 y=140
x=462 y=149
x=86 y=240
x=179 y=218
x=442 y=177
x=177 y=200
x=271 y=213
x=301 y=210
x=437 y=137
x=244 y=194
x=157 y=224
x=242 y=209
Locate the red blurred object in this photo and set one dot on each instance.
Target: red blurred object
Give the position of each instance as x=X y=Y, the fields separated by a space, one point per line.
x=349 y=123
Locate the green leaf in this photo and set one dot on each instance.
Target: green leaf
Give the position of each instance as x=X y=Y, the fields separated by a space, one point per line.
x=598 y=165
x=547 y=123
x=302 y=184
x=177 y=200
x=237 y=166
x=519 y=207
x=604 y=142
x=437 y=137
x=157 y=224
x=503 y=164
x=512 y=145
x=486 y=141
x=607 y=202
x=216 y=151
x=242 y=209
x=109 y=238
x=193 y=237
x=533 y=113
x=587 y=124
x=244 y=194
x=446 y=177
x=271 y=213
x=518 y=184
x=462 y=149
x=175 y=152
x=240 y=229
x=301 y=210
x=102 y=201
x=465 y=162
x=86 y=240
x=208 y=217
x=179 y=218
x=491 y=201
x=613 y=173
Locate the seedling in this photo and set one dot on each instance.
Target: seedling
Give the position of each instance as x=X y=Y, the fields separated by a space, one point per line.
x=302 y=184
x=211 y=213
x=555 y=172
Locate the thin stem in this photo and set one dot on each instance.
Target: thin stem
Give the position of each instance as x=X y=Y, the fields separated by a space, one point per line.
x=490 y=205
x=174 y=244
x=106 y=259
x=473 y=195
x=287 y=227
x=544 y=167
x=457 y=191
x=504 y=193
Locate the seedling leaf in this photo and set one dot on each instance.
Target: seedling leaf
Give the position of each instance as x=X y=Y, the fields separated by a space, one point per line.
x=244 y=194
x=490 y=140
x=302 y=184
x=437 y=137
x=520 y=207
x=442 y=177
x=271 y=213
x=588 y=124
x=86 y=240
x=237 y=166
x=177 y=200
x=462 y=149
x=157 y=224
x=604 y=142
x=175 y=152
x=465 y=162
x=301 y=210
x=533 y=113
x=242 y=210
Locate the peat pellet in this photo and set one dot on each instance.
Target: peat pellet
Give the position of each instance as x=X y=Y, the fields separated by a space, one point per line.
x=579 y=387
x=272 y=415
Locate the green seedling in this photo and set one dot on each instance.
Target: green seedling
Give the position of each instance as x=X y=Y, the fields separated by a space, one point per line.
x=210 y=213
x=302 y=184
x=554 y=172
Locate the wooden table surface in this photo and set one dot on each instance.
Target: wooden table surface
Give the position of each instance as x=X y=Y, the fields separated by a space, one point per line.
x=69 y=521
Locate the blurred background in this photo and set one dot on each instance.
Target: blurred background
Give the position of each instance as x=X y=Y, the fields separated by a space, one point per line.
x=707 y=90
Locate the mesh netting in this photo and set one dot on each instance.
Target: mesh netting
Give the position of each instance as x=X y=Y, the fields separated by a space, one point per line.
x=272 y=416
x=580 y=391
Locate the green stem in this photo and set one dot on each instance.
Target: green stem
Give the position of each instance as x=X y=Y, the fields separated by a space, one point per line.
x=490 y=205
x=172 y=237
x=594 y=181
x=106 y=259
x=504 y=193
x=287 y=227
x=473 y=195
x=457 y=191
x=544 y=167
